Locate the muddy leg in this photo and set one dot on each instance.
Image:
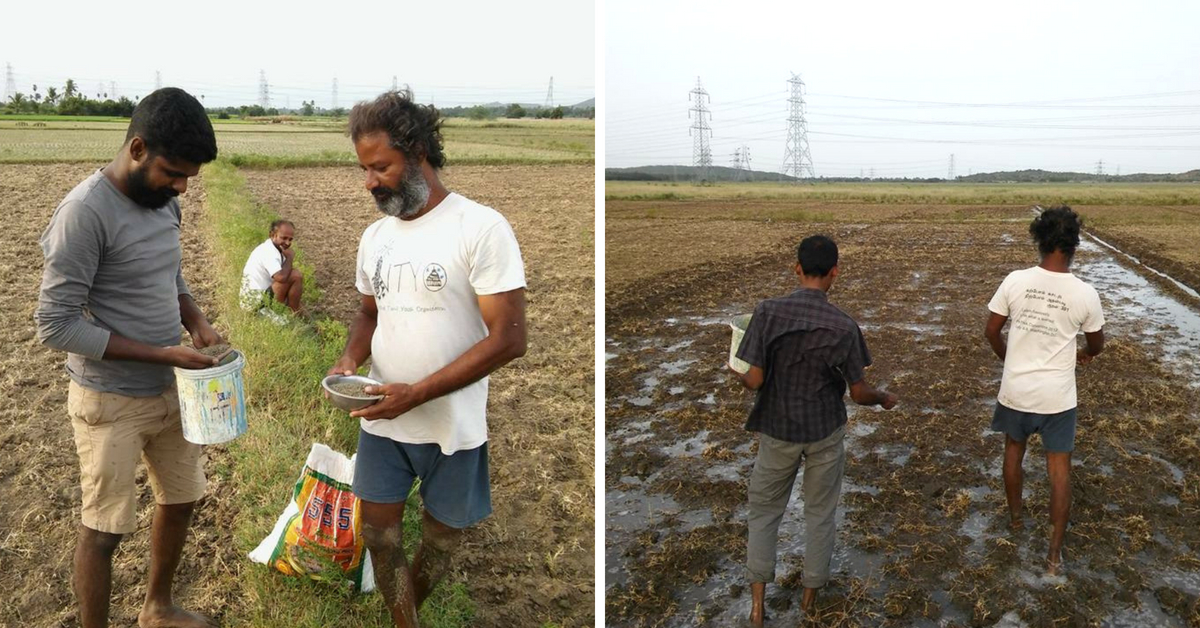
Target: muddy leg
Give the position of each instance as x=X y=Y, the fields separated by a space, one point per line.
x=93 y=575
x=1014 y=477
x=432 y=560
x=758 y=594
x=1058 y=467
x=384 y=534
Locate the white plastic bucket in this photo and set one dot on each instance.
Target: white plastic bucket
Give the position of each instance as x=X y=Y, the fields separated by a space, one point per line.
x=212 y=402
x=738 y=325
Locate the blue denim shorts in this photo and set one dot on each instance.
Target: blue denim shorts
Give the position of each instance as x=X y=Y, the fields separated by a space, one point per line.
x=1057 y=430
x=454 y=489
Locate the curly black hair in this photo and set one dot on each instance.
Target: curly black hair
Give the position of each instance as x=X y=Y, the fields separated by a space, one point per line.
x=173 y=124
x=817 y=255
x=414 y=130
x=1056 y=229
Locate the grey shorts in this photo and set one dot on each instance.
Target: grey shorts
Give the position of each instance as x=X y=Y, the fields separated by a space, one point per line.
x=1057 y=430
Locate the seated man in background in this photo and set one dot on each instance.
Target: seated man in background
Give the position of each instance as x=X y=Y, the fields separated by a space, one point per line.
x=269 y=274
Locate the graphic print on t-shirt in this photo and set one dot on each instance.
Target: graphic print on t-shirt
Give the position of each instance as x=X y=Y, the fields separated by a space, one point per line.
x=406 y=277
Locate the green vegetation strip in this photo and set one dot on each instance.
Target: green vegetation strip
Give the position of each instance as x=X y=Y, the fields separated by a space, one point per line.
x=271 y=162
x=916 y=193
x=287 y=413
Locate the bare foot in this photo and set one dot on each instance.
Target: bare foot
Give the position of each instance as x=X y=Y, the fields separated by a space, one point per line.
x=1017 y=523
x=172 y=617
x=1054 y=565
x=808 y=601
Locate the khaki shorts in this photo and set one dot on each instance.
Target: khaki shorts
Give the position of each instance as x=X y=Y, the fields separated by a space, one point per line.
x=111 y=432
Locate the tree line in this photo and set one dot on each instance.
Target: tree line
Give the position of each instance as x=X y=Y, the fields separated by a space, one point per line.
x=70 y=101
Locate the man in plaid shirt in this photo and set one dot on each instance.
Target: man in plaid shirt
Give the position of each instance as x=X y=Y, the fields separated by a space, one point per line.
x=803 y=352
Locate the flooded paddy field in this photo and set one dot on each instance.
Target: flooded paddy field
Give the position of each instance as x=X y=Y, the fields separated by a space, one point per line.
x=922 y=527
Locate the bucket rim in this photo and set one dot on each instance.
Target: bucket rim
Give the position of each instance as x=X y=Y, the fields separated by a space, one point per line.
x=236 y=365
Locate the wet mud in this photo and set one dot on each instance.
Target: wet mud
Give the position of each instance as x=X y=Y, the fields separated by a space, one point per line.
x=923 y=536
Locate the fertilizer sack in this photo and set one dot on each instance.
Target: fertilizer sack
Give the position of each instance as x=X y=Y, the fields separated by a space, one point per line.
x=319 y=534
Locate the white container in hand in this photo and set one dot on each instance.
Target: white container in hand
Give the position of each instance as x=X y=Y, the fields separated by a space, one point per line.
x=738 y=324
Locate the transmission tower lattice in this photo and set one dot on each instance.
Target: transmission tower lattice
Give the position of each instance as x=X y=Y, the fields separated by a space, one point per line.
x=333 y=99
x=1100 y=168
x=550 y=95
x=112 y=89
x=264 y=90
x=395 y=84
x=741 y=162
x=10 y=82
x=157 y=80
x=700 y=131
x=950 y=174
x=796 y=158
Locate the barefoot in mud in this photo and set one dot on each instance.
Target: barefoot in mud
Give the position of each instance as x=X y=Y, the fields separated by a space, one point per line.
x=1016 y=524
x=758 y=591
x=808 y=601
x=1054 y=566
x=172 y=617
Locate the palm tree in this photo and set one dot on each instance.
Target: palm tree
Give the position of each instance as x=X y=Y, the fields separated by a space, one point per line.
x=16 y=102
x=52 y=96
x=70 y=89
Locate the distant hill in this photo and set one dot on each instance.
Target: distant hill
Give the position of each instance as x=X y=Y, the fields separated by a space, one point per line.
x=724 y=173
x=1046 y=176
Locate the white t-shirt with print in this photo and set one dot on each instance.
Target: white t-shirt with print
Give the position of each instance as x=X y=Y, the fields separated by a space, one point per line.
x=1046 y=311
x=264 y=261
x=426 y=275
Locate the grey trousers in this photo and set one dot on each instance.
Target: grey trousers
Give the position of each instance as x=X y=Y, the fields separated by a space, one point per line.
x=771 y=488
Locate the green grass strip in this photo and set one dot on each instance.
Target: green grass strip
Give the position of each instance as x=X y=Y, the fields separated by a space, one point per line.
x=286 y=414
x=332 y=158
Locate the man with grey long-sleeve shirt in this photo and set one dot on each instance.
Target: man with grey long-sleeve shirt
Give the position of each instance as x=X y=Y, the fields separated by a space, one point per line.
x=113 y=297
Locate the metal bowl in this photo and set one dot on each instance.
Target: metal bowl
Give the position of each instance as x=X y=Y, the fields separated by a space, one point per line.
x=345 y=402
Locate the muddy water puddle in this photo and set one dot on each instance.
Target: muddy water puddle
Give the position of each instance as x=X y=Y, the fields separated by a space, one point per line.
x=1135 y=306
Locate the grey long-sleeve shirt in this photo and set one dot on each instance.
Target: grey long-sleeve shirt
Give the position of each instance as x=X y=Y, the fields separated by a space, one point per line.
x=111 y=266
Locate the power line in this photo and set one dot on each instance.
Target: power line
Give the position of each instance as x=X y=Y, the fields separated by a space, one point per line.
x=10 y=82
x=701 y=153
x=796 y=157
x=264 y=91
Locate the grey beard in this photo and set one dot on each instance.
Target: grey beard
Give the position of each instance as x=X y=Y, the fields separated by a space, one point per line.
x=409 y=199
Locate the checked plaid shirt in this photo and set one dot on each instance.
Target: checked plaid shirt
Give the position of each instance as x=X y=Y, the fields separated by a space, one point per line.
x=808 y=350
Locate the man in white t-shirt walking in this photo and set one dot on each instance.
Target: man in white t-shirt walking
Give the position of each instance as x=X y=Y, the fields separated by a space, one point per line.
x=268 y=273
x=1048 y=307
x=443 y=305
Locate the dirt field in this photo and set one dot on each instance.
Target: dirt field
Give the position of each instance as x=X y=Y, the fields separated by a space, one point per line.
x=922 y=534
x=533 y=558
x=40 y=481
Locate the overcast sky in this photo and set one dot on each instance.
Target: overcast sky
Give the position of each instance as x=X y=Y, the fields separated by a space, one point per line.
x=462 y=52
x=900 y=86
